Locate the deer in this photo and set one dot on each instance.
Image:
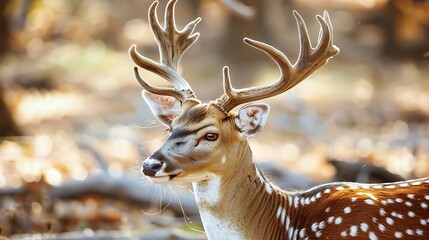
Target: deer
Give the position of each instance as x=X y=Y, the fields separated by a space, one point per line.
x=208 y=146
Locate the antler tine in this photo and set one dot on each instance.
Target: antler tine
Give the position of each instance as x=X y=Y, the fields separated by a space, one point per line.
x=172 y=44
x=309 y=60
x=157 y=90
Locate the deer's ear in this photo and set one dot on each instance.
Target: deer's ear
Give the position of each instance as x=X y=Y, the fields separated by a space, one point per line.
x=251 y=118
x=165 y=108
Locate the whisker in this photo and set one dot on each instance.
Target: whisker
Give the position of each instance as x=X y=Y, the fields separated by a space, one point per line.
x=185 y=216
x=161 y=209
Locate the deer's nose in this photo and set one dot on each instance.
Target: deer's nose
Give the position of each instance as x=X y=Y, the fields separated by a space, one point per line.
x=151 y=167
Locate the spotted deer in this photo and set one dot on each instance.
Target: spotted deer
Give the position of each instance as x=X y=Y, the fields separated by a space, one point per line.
x=208 y=146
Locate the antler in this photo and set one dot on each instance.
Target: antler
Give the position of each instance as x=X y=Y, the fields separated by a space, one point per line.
x=309 y=60
x=172 y=45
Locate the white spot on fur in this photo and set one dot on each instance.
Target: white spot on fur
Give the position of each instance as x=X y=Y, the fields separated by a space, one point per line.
x=279 y=211
x=364 y=227
x=347 y=210
x=395 y=214
x=353 y=231
x=296 y=201
x=369 y=201
x=290 y=232
x=283 y=216
x=302 y=233
x=223 y=160
x=372 y=236
x=398 y=234
x=338 y=220
x=307 y=201
x=314 y=226
x=287 y=222
x=295 y=234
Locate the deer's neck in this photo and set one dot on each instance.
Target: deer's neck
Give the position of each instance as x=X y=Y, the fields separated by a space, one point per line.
x=242 y=203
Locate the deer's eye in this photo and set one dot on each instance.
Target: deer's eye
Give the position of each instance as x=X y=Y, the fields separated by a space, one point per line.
x=211 y=137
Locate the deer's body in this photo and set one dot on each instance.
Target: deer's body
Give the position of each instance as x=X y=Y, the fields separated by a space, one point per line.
x=236 y=201
x=208 y=146
x=331 y=211
x=252 y=208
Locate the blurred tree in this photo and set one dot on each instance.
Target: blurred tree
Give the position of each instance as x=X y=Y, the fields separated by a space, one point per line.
x=4 y=26
x=405 y=26
x=7 y=124
x=413 y=26
x=232 y=46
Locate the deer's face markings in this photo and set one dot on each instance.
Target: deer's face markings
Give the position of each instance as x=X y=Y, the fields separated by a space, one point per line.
x=198 y=143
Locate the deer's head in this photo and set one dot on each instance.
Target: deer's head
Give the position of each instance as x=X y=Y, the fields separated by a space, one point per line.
x=206 y=138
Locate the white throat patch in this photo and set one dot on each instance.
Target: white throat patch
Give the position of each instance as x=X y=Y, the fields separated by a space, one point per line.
x=207 y=193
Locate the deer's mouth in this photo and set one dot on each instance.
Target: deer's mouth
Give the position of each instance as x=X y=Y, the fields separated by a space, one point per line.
x=162 y=179
x=173 y=176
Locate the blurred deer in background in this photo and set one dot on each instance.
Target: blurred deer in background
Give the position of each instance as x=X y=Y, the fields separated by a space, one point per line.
x=208 y=146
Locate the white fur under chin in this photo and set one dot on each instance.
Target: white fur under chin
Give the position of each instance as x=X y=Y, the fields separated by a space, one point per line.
x=207 y=193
